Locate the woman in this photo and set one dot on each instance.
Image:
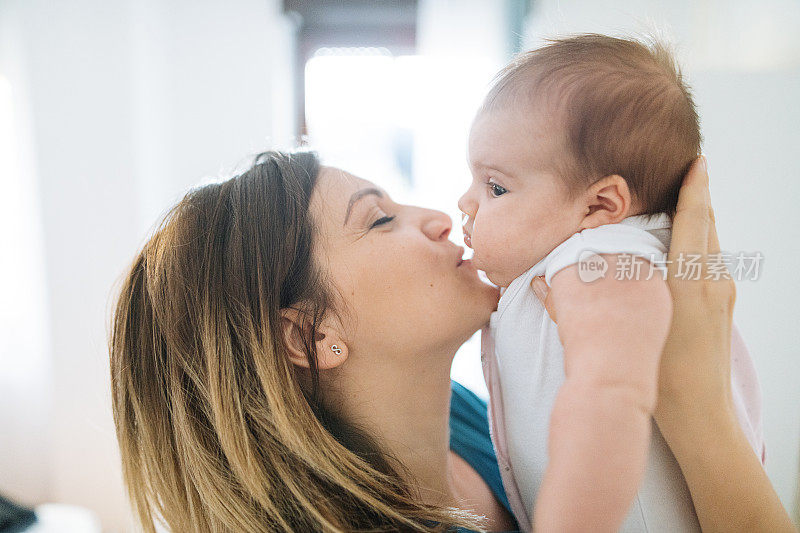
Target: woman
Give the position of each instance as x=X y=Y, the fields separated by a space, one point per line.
x=281 y=354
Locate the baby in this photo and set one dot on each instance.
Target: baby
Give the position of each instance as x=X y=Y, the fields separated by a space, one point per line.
x=577 y=155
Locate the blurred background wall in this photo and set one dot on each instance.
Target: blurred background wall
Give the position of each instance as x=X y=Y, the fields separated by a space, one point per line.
x=110 y=110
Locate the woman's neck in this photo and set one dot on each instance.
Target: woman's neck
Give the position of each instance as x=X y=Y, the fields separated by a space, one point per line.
x=407 y=409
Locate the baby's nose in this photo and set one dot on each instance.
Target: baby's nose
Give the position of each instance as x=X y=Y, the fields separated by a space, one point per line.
x=463 y=206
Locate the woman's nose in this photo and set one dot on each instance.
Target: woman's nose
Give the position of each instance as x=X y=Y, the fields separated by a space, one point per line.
x=438 y=226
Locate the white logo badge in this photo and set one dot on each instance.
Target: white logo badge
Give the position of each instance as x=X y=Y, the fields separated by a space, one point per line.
x=591 y=266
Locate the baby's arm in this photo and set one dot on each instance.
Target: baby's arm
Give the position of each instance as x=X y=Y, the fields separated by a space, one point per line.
x=613 y=332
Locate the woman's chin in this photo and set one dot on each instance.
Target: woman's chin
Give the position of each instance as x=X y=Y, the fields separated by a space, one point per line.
x=482 y=298
x=494 y=294
x=490 y=296
x=490 y=288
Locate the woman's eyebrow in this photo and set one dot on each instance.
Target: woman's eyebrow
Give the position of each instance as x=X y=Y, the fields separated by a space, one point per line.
x=359 y=194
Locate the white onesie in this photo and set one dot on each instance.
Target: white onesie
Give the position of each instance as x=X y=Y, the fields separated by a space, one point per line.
x=530 y=362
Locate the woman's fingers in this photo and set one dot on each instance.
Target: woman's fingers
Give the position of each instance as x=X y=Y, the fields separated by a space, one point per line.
x=692 y=227
x=715 y=254
x=713 y=239
x=542 y=291
x=696 y=357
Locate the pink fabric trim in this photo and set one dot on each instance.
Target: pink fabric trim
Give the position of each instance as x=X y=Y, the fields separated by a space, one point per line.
x=497 y=429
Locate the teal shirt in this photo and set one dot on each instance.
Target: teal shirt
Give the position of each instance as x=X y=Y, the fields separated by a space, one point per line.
x=469 y=438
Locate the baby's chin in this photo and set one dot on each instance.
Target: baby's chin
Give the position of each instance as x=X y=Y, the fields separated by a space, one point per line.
x=494 y=276
x=499 y=275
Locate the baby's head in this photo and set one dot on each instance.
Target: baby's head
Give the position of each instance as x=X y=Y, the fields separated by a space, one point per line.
x=582 y=132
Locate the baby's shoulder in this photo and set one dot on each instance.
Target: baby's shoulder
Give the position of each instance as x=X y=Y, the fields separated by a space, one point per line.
x=585 y=245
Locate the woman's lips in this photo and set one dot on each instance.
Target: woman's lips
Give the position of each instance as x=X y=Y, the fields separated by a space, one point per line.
x=463 y=261
x=459 y=256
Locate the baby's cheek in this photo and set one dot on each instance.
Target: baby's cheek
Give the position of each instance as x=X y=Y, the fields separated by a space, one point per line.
x=498 y=246
x=482 y=248
x=491 y=260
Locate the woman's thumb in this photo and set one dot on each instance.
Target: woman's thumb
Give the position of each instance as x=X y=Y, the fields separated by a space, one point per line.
x=540 y=288
x=542 y=291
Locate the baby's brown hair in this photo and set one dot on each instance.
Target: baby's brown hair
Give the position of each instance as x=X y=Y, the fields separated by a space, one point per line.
x=622 y=107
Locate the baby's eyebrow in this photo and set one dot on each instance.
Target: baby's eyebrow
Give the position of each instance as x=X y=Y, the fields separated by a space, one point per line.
x=497 y=168
x=359 y=194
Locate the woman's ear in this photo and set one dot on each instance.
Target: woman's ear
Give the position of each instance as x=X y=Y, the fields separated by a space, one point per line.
x=608 y=201
x=331 y=349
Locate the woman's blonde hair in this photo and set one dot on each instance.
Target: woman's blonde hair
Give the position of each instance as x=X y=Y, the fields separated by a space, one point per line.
x=216 y=429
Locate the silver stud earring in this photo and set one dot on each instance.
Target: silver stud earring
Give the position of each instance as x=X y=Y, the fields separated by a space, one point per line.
x=336 y=350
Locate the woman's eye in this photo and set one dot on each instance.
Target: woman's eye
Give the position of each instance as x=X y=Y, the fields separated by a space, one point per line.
x=496 y=190
x=382 y=220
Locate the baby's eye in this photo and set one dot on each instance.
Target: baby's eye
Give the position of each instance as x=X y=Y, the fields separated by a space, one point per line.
x=495 y=189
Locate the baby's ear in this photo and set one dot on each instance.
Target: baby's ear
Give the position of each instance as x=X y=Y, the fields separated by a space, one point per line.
x=608 y=200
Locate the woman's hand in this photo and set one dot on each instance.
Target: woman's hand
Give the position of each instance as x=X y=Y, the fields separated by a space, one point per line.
x=695 y=366
x=695 y=413
x=695 y=373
